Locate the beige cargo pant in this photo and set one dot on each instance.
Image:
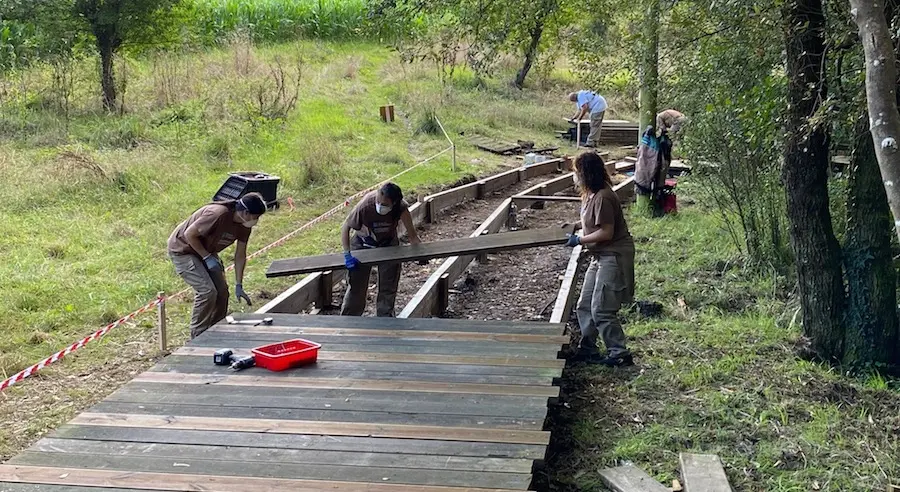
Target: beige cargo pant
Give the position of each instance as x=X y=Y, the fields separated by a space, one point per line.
x=210 y=291
x=358 y=285
x=602 y=295
x=596 y=123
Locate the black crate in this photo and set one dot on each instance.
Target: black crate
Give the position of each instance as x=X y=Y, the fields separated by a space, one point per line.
x=240 y=183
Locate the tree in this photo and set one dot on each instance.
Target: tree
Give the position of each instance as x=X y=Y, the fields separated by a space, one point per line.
x=805 y=178
x=114 y=23
x=535 y=20
x=881 y=86
x=650 y=64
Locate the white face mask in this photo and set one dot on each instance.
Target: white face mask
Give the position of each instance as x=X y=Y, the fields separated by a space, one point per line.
x=382 y=209
x=251 y=223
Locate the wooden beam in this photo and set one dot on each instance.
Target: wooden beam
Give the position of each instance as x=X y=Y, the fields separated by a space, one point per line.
x=452 y=197
x=299 y=296
x=106 y=478
x=542 y=168
x=499 y=181
x=630 y=479
x=567 y=291
x=523 y=201
x=425 y=251
x=424 y=302
x=460 y=336
x=703 y=473
x=398 y=431
x=410 y=358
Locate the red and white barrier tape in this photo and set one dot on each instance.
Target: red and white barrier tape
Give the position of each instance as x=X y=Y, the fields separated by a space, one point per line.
x=152 y=304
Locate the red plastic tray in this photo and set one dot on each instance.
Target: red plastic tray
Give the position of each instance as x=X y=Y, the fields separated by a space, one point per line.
x=285 y=355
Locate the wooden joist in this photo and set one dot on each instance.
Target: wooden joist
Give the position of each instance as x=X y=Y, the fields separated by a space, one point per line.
x=567 y=292
x=439 y=249
x=316 y=288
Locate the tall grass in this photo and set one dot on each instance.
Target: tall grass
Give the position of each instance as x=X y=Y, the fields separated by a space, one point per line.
x=271 y=20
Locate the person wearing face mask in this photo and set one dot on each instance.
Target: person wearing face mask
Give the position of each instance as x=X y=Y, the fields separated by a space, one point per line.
x=374 y=221
x=194 y=248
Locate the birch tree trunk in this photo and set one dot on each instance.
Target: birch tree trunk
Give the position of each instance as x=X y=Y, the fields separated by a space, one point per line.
x=881 y=97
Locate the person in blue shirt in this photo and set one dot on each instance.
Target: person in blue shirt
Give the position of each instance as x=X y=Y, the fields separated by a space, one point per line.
x=589 y=102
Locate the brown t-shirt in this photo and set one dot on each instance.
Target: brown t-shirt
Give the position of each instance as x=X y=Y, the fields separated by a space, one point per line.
x=603 y=209
x=217 y=228
x=366 y=221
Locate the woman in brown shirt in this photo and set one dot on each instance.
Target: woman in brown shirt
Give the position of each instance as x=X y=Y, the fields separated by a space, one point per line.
x=194 y=248
x=609 y=280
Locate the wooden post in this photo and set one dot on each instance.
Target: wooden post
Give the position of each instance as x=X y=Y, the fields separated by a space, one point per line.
x=429 y=212
x=479 y=192
x=326 y=290
x=161 y=312
x=390 y=112
x=443 y=294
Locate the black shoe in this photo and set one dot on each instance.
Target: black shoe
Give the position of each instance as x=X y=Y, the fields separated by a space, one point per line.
x=618 y=361
x=583 y=356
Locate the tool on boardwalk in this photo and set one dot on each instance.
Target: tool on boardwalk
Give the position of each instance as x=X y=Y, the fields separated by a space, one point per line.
x=490 y=243
x=253 y=322
x=243 y=363
x=223 y=357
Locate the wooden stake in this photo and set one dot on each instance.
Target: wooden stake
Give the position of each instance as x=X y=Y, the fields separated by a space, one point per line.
x=390 y=112
x=326 y=290
x=161 y=311
x=384 y=113
x=443 y=294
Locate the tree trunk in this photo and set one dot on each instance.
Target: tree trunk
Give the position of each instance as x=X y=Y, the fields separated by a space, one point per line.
x=530 y=53
x=805 y=176
x=107 y=74
x=881 y=84
x=650 y=65
x=871 y=317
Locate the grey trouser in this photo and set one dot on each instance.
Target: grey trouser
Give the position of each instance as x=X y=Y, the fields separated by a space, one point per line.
x=210 y=291
x=358 y=286
x=602 y=295
x=596 y=123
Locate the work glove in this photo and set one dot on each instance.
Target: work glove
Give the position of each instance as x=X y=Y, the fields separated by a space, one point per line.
x=574 y=240
x=240 y=294
x=212 y=263
x=349 y=261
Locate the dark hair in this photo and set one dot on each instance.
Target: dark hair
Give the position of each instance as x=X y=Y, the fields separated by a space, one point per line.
x=252 y=202
x=591 y=172
x=393 y=192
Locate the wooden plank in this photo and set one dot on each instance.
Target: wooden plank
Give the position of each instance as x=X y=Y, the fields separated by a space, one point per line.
x=506 y=361
x=542 y=168
x=313 y=442
x=630 y=479
x=424 y=301
x=553 y=198
x=209 y=483
x=499 y=181
x=316 y=427
x=359 y=384
x=625 y=189
x=551 y=187
x=35 y=487
x=703 y=473
x=399 y=324
x=394 y=417
x=299 y=296
x=399 y=385
x=250 y=454
x=566 y=293
x=625 y=166
x=452 y=197
x=361 y=332
x=453 y=247
x=336 y=400
x=312 y=371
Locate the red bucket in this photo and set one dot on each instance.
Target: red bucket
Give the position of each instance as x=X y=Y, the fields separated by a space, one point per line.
x=285 y=355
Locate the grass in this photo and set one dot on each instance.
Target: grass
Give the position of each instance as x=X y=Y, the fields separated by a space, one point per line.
x=717 y=373
x=89 y=203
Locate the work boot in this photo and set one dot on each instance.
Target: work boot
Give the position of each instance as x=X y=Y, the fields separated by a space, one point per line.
x=582 y=355
x=610 y=361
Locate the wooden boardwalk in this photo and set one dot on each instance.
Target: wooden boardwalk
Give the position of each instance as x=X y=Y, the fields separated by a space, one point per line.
x=426 y=405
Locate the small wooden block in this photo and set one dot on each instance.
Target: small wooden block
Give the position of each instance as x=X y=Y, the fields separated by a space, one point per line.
x=703 y=473
x=676 y=486
x=630 y=479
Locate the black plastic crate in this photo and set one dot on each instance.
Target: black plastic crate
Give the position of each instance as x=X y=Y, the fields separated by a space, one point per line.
x=240 y=183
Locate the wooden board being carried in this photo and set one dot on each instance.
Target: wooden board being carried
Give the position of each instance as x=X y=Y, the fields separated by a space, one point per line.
x=491 y=243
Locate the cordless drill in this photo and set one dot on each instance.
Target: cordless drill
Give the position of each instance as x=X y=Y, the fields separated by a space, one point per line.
x=226 y=357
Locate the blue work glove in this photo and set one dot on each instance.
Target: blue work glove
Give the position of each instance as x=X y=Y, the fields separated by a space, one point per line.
x=212 y=263
x=349 y=261
x=240 y=294
x=574 y=240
